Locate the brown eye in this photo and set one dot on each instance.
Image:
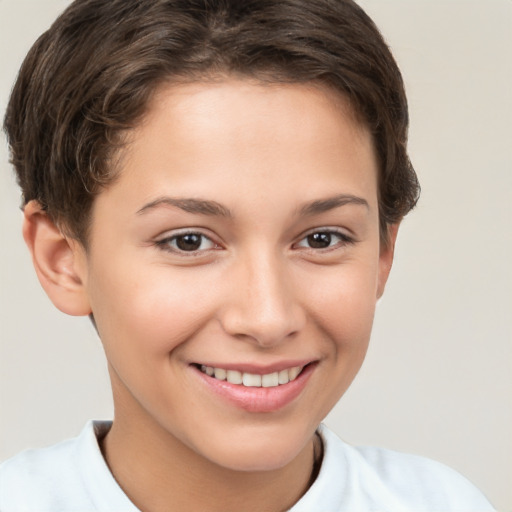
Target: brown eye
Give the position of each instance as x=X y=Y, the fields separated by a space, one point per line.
x=319 y=240
x=328 y=239
x=189 y=242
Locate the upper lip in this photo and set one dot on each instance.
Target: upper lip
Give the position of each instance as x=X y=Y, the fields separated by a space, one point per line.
x=259 y=369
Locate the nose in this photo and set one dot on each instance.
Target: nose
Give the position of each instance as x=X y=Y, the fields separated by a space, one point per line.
x=263 y=306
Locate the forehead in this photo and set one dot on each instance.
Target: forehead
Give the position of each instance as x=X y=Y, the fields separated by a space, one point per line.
x=246 y=139
x=208 y=96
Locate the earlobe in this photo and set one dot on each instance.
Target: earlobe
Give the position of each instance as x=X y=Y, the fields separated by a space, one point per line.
x=387 y=252
x=59 y=261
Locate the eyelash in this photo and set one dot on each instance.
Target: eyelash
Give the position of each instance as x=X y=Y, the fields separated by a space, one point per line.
x=343 y=239
x=166 y=243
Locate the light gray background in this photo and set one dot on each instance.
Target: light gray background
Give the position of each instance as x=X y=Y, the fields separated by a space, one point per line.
x=438 y=377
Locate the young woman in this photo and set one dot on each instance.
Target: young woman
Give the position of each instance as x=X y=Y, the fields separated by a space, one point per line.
x=218 y=185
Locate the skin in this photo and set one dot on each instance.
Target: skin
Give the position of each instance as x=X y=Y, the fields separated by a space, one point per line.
x=253 y=293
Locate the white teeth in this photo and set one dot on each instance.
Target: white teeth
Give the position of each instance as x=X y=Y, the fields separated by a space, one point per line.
x=234 y=377
x=252 y=380
x=270 y=380
x=207 y=369
x=284 y=377
x=220 y=374
x=294 y=372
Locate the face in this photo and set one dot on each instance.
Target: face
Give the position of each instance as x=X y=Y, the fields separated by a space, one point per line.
x=240 y=242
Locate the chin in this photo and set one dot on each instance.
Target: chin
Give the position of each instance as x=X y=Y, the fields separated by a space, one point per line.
x=250 y=449
x=244 y=461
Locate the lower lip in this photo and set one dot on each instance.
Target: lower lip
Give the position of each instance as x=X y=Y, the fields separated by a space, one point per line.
x=258 y=399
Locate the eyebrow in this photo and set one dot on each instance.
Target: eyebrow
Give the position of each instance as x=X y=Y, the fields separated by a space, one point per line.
x=189 y=205
x=212 y=208
x=330 y=203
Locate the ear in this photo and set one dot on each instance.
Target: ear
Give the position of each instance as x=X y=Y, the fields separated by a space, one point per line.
x=387 y=252
x=59 y=261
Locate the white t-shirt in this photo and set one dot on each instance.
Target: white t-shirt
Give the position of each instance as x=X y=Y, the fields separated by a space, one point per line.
x=73 y=477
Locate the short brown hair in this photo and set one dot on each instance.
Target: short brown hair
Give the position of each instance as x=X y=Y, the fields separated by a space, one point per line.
x=90 y=77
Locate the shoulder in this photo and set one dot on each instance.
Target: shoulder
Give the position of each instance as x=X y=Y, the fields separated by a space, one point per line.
x=32 y=474
x=54 y=478
x=420 y=481
x=376 y=478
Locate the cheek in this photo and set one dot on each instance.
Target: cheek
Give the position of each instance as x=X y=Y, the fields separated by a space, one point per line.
x=343 y=304
x=147 y=314
x=341 y=310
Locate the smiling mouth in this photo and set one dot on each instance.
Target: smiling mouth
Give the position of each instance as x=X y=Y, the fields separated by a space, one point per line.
x=248 y=388
x=253 y=380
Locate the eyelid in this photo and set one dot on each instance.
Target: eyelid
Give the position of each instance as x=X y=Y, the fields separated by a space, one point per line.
x=192 y=230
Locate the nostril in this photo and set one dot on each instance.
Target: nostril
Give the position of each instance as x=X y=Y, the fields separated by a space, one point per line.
x=264 y=328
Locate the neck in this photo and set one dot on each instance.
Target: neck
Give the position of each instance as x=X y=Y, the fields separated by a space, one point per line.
x=158 y=472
